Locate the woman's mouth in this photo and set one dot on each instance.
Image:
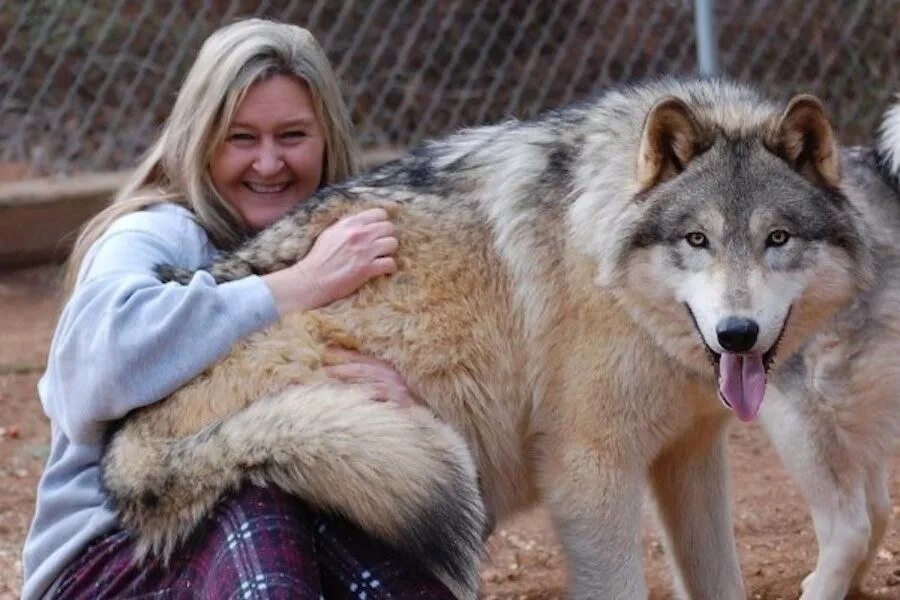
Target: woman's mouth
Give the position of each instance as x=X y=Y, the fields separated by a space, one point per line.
x=267 y=188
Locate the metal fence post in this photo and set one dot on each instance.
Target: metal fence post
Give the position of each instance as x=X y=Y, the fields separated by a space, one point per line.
x=707 y=49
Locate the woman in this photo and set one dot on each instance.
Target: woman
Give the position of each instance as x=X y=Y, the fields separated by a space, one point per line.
x=258 y=126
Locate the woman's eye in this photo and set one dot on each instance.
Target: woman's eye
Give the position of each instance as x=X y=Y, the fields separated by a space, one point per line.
x=240 y=137
x=695 y=239
x=779 y=237
x=294 y=135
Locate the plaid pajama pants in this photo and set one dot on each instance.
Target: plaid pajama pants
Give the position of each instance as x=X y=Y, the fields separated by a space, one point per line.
x=259 y=543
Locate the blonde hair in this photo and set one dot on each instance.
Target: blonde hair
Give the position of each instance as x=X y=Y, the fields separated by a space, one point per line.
x=175 y=168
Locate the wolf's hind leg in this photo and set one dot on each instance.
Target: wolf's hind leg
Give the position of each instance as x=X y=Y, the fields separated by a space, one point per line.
x=399 y=474
x=690 y=484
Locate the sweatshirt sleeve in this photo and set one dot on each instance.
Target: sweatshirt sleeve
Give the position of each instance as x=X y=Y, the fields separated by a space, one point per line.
x=126 y=340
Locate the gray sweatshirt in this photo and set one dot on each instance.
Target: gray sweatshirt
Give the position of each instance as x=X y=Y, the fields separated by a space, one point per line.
x=125 y=340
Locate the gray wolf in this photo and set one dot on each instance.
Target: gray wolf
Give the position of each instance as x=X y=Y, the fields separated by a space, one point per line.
x=833 y=409
x=574 y=296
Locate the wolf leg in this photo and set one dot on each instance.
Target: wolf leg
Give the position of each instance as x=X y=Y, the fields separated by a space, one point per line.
x=399 y=474
x=878 y=501
x=596 y=509
x=690 y=482
x=843 y=533
x=829 y=472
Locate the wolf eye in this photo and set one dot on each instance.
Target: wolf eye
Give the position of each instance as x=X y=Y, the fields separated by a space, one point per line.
x=695 y=239
x=779 y=237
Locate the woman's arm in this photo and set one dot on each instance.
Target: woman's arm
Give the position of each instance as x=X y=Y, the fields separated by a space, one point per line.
x=343 y=257
x=125 y=340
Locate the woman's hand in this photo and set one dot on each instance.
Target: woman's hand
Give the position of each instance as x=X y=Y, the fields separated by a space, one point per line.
x=354 y=367
x=344 y=256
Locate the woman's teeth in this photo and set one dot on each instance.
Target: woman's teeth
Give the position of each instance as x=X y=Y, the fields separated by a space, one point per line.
x=272 y=188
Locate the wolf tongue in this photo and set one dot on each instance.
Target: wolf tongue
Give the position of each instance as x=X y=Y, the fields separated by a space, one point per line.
x=742 y=382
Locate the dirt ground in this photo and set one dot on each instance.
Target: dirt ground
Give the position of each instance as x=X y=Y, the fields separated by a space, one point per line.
x=774 y=533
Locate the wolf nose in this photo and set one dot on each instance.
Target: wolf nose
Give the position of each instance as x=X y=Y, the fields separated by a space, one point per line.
x=737 y=334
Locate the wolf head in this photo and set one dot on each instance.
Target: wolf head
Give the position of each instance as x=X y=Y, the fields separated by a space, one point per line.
x=742 y=242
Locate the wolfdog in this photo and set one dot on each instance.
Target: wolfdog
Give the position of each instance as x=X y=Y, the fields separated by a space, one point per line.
x=833 y=410
x=574 y=296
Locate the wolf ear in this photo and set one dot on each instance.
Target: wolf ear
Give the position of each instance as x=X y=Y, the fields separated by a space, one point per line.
x=671 y=138
x=804 y=139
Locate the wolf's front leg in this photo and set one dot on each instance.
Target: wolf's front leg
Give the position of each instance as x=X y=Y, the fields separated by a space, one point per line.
x=878 y=500
x=827 y=464
x=844 y=533
x=690 y=482
x=596 y=508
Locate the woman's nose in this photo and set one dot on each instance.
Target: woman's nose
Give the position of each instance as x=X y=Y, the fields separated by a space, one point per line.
x=268 y=160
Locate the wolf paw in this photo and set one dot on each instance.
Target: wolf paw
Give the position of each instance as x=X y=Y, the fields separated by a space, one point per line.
x=807 y=581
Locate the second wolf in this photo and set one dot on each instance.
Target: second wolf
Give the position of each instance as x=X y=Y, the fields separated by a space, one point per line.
x=573 y=295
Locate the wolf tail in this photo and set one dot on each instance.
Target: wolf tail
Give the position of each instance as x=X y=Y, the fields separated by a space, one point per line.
x=888 y=146
x=399 y=474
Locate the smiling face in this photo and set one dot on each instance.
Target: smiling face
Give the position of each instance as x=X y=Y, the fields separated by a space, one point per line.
x=273 y=153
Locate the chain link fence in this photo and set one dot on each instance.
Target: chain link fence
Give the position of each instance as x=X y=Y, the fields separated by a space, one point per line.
x=85 y=85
